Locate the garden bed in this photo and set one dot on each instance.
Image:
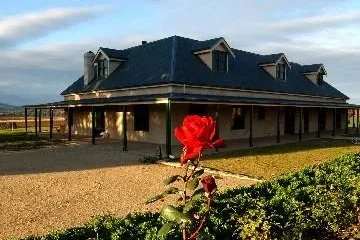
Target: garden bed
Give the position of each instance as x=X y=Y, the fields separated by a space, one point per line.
x=318 y=202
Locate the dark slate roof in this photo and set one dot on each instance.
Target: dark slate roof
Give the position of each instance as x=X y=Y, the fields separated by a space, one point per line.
x=271 y=58
x=207 y=44
x=171 y=60
x=193 y=98
x=310 y=68
x=114 y=53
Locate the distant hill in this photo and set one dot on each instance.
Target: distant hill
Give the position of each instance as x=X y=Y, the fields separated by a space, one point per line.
x=7 y=107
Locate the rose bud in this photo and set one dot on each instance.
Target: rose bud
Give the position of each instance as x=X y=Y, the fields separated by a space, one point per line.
x=209 y=184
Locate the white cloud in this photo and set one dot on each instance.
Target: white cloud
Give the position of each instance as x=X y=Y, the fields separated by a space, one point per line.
x=16 y=29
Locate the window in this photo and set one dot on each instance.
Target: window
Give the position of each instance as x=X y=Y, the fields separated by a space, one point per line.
x=320 y=78
x=238 y=118
x=141 y=118
x=281 y=71
x=102 y=68
x=197 y=109
x=261 y=113
x=220 y=60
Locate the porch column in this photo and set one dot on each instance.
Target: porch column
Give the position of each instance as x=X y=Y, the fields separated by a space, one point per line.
x=334 y=122
x=168 y=128
x=40 y=120
x=300 y=123
x=353 y=111
x=69 y=123
x=251 y=127
x=346 y=121
x=318 y=125
x=26 y=120
x=357 y=120
x=278 y=125
x=124 y=128
x=217 y=121
x=51 y=113
x=36 y=122
x=93 y=125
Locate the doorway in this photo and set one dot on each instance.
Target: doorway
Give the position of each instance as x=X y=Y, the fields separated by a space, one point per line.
x=290 y=120
x=306 y=120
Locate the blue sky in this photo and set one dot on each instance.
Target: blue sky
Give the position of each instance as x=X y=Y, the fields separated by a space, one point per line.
x=42 y=42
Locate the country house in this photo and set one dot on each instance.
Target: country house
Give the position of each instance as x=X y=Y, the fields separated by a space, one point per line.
x=143 y=92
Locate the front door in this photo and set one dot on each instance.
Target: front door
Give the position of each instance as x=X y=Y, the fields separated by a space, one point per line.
x=290 y=120
x=322 y=120
x=99 y=122
x=306 y=120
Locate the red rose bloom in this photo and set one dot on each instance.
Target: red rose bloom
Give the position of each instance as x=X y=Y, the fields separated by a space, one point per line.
x=197 y=133
x=209 y=184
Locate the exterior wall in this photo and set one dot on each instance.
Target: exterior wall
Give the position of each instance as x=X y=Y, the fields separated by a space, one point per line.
x=312 y=77
x=82 y=123
x=157 y=124
x=113 y=124
x=206 y=58
x=113 y=65
x=271 y=70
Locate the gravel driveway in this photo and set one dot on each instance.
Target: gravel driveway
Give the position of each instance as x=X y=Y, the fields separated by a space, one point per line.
x=55 y=188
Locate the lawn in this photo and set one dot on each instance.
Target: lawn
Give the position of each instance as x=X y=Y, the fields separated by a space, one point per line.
x=18 y=140
x=268 y=162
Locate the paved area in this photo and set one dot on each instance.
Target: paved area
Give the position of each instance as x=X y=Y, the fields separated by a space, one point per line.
x=54 y=188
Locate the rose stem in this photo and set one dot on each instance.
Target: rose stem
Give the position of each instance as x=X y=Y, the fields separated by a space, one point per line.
x=196 y=233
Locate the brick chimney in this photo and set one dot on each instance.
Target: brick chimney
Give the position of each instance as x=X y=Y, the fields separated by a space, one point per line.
x=89 y=71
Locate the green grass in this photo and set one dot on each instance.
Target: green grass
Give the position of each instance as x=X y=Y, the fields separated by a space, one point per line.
x=269 y=162
x=19 y=140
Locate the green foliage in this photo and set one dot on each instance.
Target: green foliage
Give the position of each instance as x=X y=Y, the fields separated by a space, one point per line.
x=319 y=202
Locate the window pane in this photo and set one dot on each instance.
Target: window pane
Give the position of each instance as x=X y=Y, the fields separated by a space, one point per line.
x=215 y=60
x=222 y=61
x=261 y=113
x=238 y=118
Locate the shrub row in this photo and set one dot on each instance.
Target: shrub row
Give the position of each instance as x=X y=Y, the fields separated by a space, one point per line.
x=319 y=202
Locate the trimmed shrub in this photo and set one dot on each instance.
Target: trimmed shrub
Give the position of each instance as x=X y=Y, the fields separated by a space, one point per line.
x=318 y=202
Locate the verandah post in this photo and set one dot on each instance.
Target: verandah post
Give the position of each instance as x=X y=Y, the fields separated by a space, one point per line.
x=319 y=122
x=300 y=123
x=346 y=121
x=69 y=123
x=51 y=112
x=278 y=125
x=353 y=116
x=334 y=122
x=36 y=119
x=40 y=120
x=357 y=120
x=26 y=120
x=93 y=125
x=168 y=128
x=124 y=128
x=251 y=127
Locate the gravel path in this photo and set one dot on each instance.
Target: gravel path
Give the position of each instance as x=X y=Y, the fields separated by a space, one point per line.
x=49 y=189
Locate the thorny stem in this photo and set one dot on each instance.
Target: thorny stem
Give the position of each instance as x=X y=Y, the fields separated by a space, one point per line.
x=185 y=186
x=196 y=232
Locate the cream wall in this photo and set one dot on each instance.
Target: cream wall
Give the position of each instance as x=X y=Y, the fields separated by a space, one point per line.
x=157 y=124
x=113 y=124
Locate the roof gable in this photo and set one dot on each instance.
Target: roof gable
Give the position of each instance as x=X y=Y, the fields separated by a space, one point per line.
x=210 y=45
x=313 y=68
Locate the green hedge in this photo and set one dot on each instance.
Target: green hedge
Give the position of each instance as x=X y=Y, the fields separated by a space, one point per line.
x=319 y=202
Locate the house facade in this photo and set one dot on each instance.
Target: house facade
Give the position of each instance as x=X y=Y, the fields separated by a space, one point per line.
x=142 y=93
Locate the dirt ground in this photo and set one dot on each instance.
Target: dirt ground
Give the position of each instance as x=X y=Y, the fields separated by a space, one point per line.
x=50 y=189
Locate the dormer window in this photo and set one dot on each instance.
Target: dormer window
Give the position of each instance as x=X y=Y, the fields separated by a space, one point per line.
x=281 y=71
x=220 y=61
x=102 y=68
x=320 y=79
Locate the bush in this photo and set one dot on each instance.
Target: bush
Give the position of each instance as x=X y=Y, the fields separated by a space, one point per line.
x=319 y=202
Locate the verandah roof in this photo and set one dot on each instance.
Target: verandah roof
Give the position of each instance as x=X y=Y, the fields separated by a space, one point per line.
x=191 y=98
